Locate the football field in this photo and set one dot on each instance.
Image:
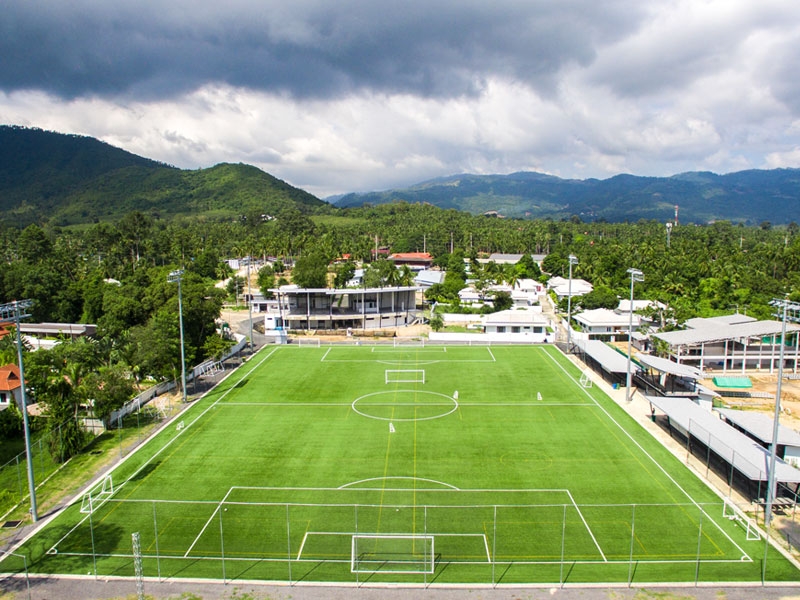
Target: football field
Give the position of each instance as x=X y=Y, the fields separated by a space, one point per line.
x=405 y=463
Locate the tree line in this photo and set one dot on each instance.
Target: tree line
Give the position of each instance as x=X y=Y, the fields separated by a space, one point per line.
x=116 y=276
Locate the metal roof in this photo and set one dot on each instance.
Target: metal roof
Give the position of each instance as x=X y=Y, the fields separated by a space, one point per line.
x=747 y=456
x=667 y=366
x=760 y=426
x=608 y=358
x=721 y=332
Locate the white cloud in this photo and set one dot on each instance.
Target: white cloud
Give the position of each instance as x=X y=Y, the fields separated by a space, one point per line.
x=377 y=96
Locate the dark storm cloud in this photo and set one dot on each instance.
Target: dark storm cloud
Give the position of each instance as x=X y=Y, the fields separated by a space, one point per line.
x=306 y=49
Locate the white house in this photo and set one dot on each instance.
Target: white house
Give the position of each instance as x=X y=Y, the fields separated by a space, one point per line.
x=605 y=324
x=524 y=325
x=562 y=288
x=527 y=292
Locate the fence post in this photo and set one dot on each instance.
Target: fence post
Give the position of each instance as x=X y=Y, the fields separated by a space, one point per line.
x=222 y=547
x=633 y=537
x=494 y=544
x=699 y=542
x=155 y=531
x=289 y=545
x=563 y=540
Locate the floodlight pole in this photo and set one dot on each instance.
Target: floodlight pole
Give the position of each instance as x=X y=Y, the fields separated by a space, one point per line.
x=669 y=230
x=573 y=260
x=771 y=483
x=12 y=312
x=177 y=276
x=636 y=275
x=250 y=305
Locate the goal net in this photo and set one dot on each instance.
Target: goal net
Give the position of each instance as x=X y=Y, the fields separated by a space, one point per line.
x=408 y=343
x=586 y=379
x=405 y=375
x=734 y=513
x=97 y=496
x=392 y=553
x=308 y=343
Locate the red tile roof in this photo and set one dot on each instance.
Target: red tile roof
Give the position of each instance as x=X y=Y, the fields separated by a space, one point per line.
x=9 y=378
x=411 y=256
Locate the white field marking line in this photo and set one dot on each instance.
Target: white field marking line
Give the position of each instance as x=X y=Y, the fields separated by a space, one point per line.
x=404 y=350
x=465 y=562
x=324 y=356
x=203 y=530
x=648 y=455
x=352 y=483
x=196 y=419
x=585 y=524
x=167 y=445
x=271 y=404
x=471 y=490
x=543 y=404
x=367 y=403
x=367 y=535
x=491 y=354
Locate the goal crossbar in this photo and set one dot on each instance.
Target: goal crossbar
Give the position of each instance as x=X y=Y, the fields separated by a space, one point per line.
x=392 y=553
x=97 y=496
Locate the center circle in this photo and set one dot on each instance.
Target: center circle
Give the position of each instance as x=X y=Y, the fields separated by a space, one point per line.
x=405 y=405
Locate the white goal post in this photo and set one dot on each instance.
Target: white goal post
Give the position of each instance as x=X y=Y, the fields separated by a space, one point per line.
x=308 y=342
x=586 y=379
x=408 y=343
x=97 y=496
x=734 y=513
x=405 y=375
x=392 y=553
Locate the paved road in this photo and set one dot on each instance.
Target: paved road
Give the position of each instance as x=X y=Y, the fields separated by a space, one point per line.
x=88 y=589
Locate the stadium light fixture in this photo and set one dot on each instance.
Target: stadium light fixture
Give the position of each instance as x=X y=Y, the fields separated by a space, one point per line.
x=176 y=277
x=636 y=275
x=573 y=260
x=13 y=313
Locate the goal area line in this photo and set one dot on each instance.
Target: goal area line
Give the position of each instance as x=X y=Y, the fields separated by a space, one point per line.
x=482 y=539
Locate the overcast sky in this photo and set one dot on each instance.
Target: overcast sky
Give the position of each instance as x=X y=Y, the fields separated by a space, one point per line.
x=359 y=95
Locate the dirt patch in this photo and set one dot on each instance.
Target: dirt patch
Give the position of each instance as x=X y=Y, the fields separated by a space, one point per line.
x=767 y=383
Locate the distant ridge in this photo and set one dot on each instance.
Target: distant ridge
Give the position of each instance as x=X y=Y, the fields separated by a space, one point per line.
x=750 y=197
x=72 y=179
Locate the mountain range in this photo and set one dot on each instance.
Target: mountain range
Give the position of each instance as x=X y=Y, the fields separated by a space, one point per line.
x=749 y=197
x=71 y=179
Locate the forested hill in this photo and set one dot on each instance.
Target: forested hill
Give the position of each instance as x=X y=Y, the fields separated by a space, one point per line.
x=750 y=197
x=69 y=179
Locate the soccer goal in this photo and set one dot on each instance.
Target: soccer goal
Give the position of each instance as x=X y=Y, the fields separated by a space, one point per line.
x=408 y=343
x=734 y=513
x=308 y=342
x=392 y=553
x=586 y=379
x=97 y=496
x=405 y=375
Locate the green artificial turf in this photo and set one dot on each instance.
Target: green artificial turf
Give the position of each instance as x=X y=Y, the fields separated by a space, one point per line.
x=499 y=468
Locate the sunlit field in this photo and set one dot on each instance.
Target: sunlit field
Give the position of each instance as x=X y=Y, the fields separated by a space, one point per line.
x=414 y=464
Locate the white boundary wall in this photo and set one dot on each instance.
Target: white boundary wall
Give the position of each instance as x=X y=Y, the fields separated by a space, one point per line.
x=493 y=338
